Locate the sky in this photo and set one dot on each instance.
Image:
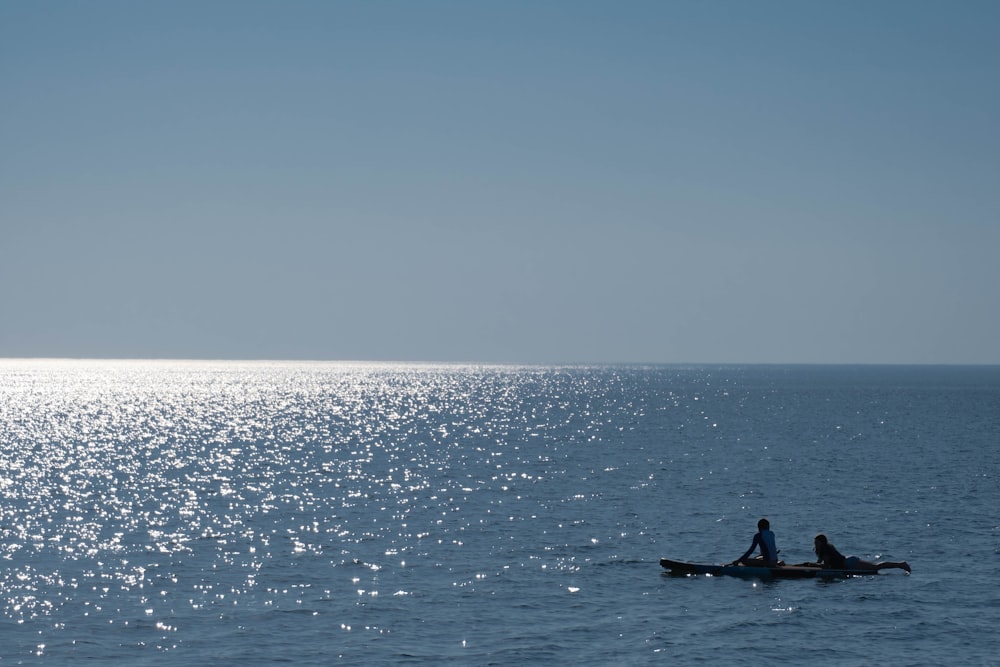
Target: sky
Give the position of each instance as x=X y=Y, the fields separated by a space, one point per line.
x=557 y=182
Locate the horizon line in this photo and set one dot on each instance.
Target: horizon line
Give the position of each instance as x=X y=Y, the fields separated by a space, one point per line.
x=265 y=360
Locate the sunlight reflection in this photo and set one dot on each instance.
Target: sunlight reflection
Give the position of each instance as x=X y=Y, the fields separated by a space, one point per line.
x=139 y=484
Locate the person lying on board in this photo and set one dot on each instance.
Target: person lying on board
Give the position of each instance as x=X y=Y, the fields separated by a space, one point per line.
x=763 y=540
x=829 y=558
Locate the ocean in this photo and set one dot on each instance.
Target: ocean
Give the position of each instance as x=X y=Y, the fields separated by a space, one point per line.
x=226 y=513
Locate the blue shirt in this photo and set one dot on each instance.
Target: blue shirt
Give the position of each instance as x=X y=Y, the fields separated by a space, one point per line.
x=764 y=539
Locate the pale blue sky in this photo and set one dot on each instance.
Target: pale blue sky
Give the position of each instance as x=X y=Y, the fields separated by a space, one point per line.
x=677 y=182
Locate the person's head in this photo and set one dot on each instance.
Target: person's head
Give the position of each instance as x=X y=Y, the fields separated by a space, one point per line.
x=819 y=542
x=763 y=524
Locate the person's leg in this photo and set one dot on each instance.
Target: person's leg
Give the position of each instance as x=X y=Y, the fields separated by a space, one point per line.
x=902 y=565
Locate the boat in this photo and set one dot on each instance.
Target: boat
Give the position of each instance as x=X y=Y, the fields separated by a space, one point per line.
x=759 y=571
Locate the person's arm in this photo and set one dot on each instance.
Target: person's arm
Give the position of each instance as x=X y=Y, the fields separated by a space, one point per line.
x=753 y=545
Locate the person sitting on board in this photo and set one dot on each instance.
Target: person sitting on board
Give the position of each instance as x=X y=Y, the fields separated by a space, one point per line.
x=764 y=540
x=831 y=559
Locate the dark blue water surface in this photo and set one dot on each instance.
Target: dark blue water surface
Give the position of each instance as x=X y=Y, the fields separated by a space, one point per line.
x=178 y=513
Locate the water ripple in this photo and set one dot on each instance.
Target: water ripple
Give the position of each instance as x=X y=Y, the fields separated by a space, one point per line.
x=454 y=511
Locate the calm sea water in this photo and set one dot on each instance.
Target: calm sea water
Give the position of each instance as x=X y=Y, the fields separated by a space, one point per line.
x=178 y=513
